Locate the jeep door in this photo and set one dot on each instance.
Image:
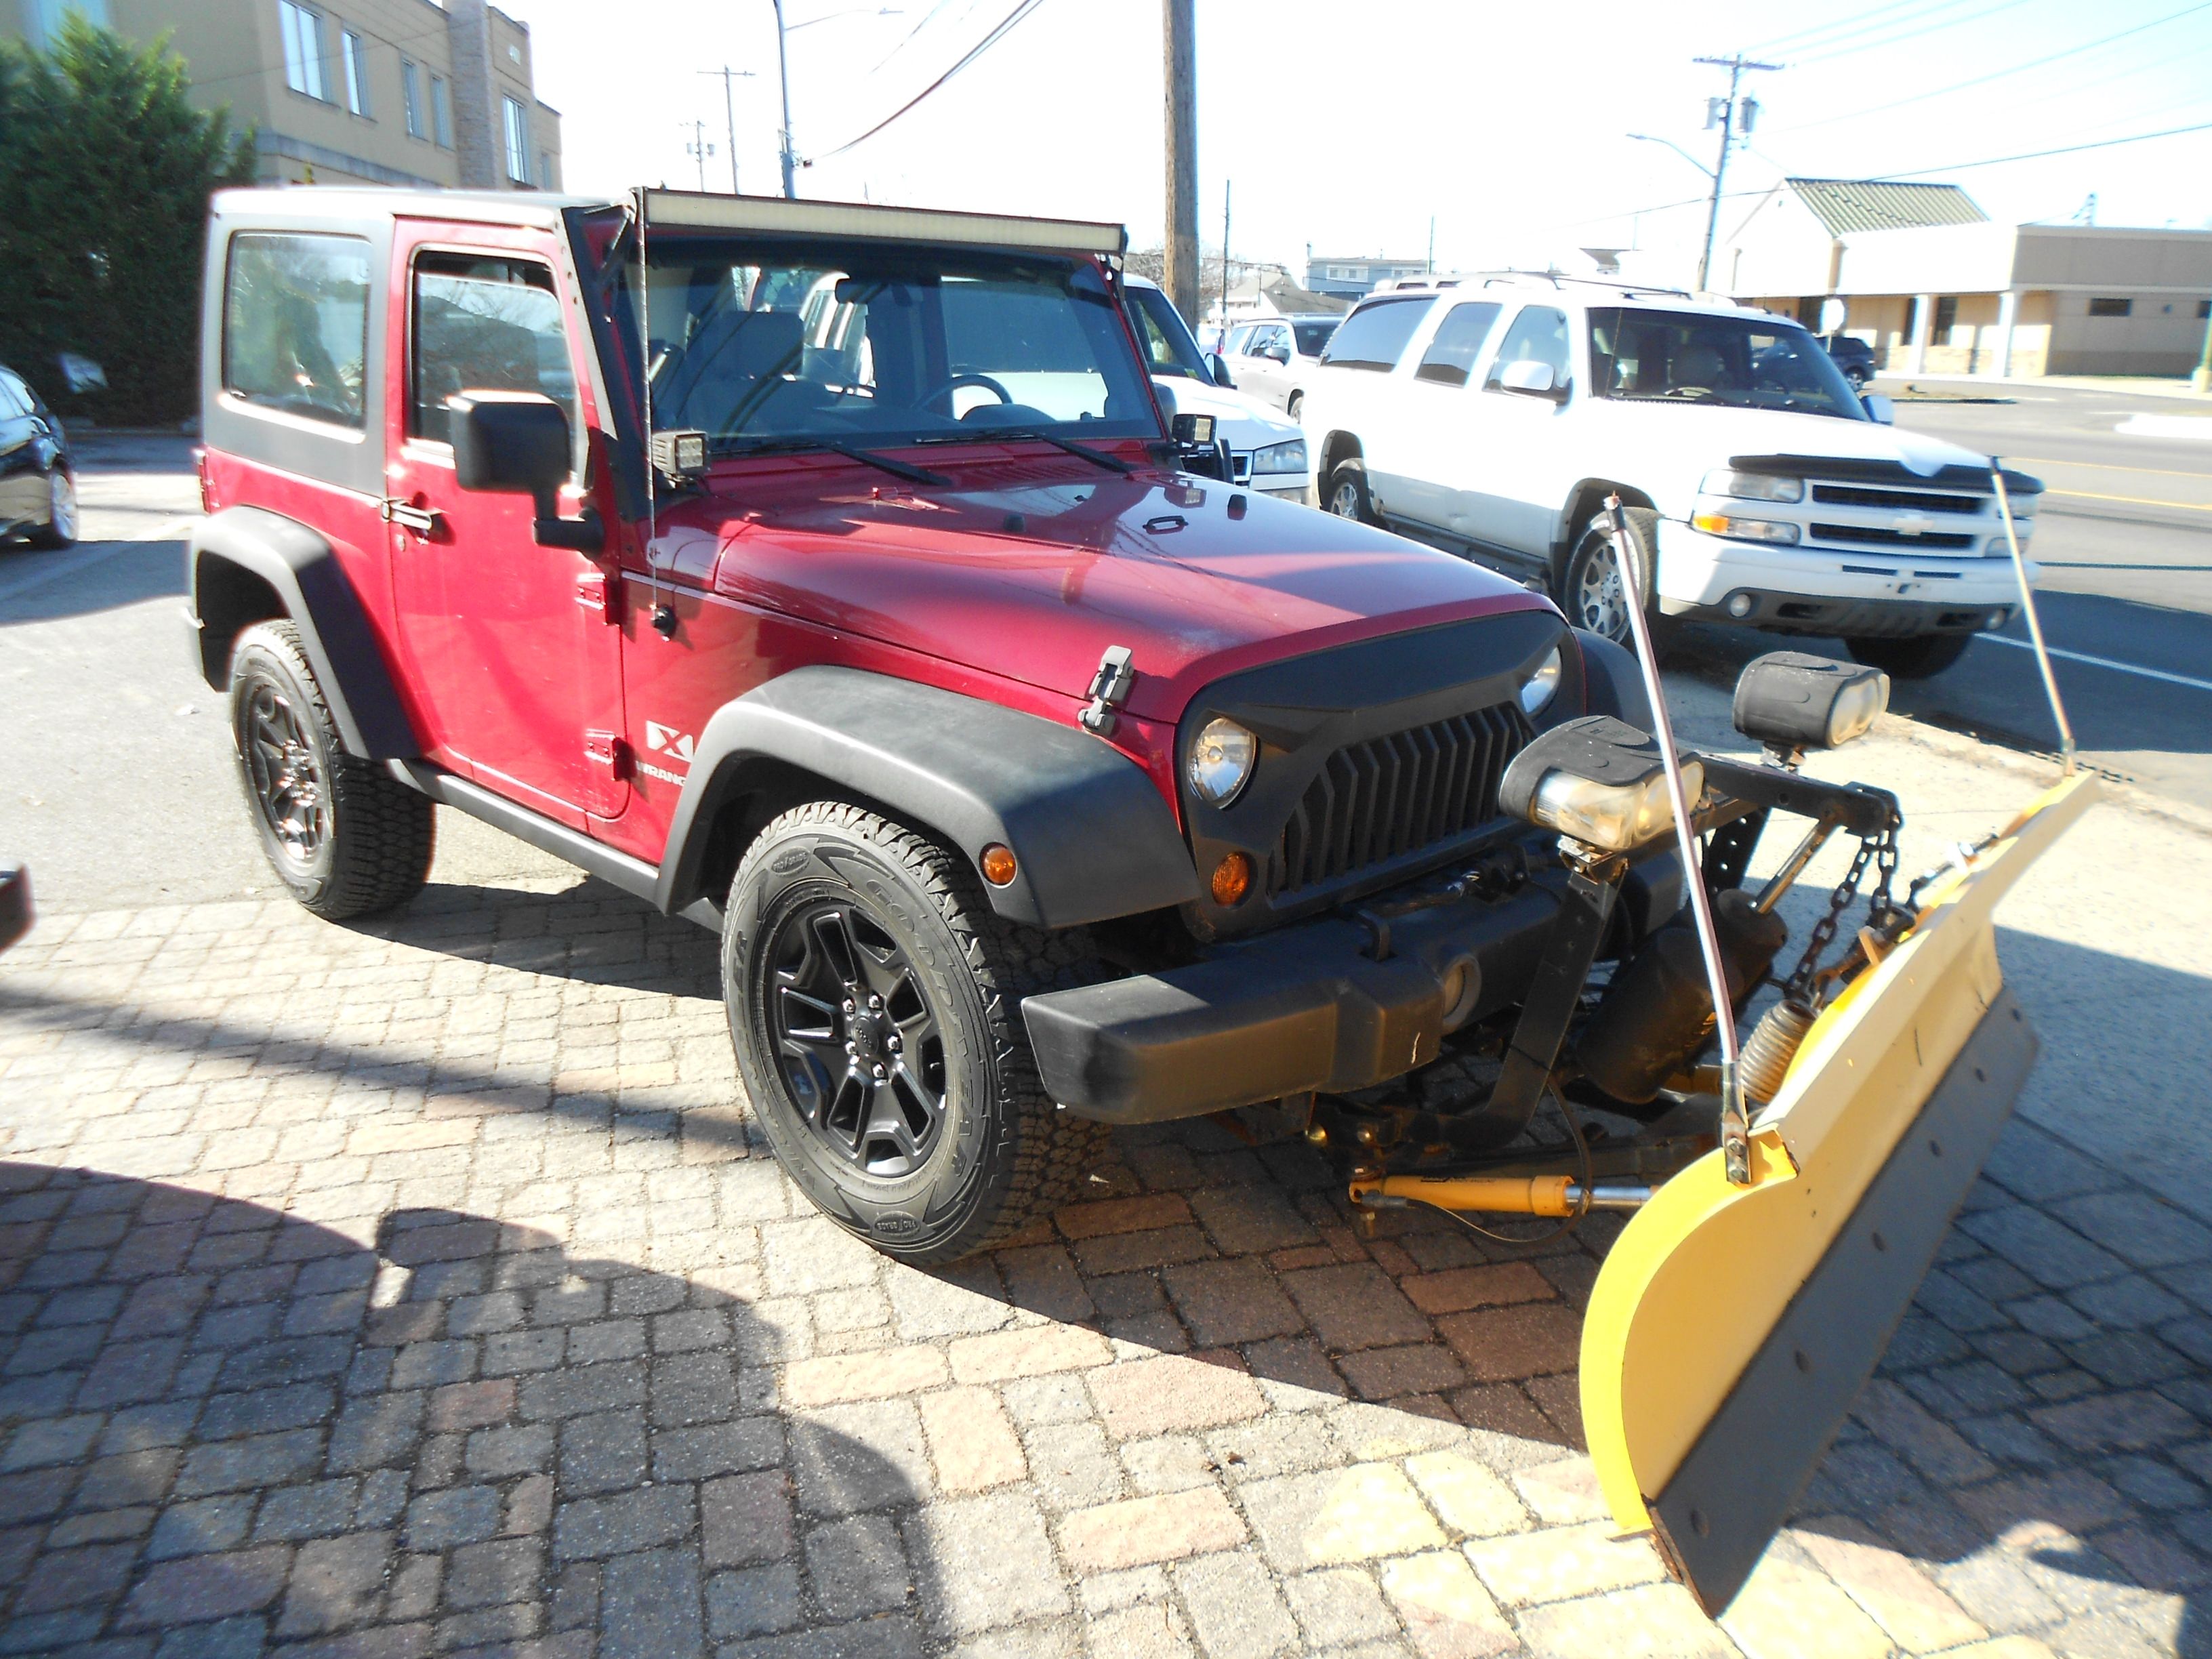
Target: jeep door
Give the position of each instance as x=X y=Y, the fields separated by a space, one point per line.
x=510 y=642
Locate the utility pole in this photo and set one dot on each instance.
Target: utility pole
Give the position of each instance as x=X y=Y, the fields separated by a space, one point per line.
x=783 y=80
x=730 y=114
x=1722 y=112
x=1222 y=316
x=1180 y=20
x=699 y=149
x=1433 y=244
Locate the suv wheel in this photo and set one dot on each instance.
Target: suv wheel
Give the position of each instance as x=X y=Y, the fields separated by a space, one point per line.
x=1348 y=495
x=1592 y=594
x=61 y=525
x=874 y=1000
x=1917 y=659
x=345 y=837
x=1297 y=406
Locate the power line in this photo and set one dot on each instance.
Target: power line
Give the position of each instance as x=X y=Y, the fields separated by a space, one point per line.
x=1800 y=39
x=1830 y=55
x=1999 y=74
x=1005 y=26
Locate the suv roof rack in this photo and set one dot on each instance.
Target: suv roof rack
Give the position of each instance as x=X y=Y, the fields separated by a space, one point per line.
x=1556 y=279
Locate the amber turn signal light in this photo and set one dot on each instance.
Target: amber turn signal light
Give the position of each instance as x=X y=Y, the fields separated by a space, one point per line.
x=1232 y=879
x=999 y=866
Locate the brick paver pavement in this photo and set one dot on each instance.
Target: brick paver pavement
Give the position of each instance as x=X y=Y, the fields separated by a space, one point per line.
x=419 y=1288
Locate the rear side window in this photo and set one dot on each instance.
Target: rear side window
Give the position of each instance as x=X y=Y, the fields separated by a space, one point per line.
x=484 y=322
x=295 y=324
x=1312 y=337
x=1450 y=356
x=1375 y=335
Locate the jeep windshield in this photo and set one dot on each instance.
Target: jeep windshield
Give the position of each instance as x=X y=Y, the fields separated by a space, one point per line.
x=784 y=345
x=1167 y=343
x=1646 y=357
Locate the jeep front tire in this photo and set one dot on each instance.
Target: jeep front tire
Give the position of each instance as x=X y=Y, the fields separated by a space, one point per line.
x=344 y=837
x=874 y=999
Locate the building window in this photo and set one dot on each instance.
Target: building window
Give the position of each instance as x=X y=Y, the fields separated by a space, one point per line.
x=411 y=94
x=356 y=51
x=518 y=142
x=1947 y=319
x=549 y=176
x=2111 y=308
x=2204 y=310
x=441 y=112
x=303 y=29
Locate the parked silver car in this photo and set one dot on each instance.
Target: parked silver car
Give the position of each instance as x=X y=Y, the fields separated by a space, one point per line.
x=1273 y=357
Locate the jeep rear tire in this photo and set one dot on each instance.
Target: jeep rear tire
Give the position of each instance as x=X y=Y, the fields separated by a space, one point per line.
x=1347 y=496
x=1919 y=657
x=874 y=1000
x=344 y=837
x=1590 y=590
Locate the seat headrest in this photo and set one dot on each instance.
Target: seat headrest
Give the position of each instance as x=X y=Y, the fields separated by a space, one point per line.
x=768 y=342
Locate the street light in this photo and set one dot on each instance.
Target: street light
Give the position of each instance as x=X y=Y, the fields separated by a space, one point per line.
x=783 y=77
x=1647 y=139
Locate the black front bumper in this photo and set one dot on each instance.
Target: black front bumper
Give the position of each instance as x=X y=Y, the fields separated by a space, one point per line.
x=1342 y=1002
x=1800 y=613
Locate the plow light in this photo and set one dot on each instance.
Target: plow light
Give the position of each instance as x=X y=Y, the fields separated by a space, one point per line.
x=1599 y=781
x=1793 y=701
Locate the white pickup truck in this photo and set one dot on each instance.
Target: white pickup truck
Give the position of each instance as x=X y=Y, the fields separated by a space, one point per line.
x=1491 y=415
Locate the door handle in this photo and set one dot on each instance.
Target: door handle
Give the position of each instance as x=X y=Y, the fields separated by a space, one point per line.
x=424 y=521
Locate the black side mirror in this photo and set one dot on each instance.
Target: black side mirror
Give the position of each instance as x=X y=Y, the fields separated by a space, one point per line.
x=1217 y=366
x=517 y=442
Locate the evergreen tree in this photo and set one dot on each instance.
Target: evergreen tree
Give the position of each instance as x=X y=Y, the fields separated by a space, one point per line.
x=105 y=174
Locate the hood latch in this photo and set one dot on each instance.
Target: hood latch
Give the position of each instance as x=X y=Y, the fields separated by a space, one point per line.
x=1109 y=689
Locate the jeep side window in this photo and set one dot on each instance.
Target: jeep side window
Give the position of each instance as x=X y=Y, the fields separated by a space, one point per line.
x=1450 y=356
x=483 y=322
x=1538 y=335
x=295 y=324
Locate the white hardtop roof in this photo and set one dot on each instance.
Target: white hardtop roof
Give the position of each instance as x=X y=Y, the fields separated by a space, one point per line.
x=675 y=210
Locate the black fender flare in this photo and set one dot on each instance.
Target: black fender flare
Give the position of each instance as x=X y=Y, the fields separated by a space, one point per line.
x=1612 y=684
x=1092 y=836
x=302 y=569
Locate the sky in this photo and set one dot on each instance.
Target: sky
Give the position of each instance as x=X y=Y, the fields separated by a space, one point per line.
x=1349 y=129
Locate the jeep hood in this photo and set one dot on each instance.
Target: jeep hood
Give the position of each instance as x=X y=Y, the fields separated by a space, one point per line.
x=1024 y=569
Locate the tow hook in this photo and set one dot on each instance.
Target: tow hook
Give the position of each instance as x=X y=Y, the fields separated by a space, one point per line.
x=1109 y=689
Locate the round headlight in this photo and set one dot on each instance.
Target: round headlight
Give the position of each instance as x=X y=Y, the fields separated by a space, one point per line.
x=1221 y=762
x=1540 y=687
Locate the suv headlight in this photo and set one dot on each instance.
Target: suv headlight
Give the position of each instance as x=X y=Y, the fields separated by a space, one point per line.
x=1752 y=486
x=1281 y=458
x=1743 y=530
x=1220 y=763
x=1540 y=687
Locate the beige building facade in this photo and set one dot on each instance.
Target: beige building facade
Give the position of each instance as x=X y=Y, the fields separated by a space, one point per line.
x=1923 y=276
x=356 y=92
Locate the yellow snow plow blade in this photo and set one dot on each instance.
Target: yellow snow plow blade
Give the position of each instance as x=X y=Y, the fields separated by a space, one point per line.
x=1733 y=1326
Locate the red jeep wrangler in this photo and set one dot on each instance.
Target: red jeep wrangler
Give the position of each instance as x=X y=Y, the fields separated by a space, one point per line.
x=829 y=575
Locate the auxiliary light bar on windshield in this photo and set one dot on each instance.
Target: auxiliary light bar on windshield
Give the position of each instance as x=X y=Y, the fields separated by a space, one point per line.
x=682 y=209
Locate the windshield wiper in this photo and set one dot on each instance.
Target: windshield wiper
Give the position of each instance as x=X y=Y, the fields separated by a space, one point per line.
x=995 y=434
x=905 y=469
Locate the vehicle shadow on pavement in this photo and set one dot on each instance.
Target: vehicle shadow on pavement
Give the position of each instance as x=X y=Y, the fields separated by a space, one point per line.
x=232 y=1428
x=90 y=578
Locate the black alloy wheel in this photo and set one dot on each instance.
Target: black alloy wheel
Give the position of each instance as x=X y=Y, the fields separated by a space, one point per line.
x=344 y=836
x=284 y=776
x=874 y=1001
x=861 y=1051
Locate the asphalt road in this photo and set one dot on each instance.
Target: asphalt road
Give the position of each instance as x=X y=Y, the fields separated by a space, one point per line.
x=116 y=784
x=2125 y=541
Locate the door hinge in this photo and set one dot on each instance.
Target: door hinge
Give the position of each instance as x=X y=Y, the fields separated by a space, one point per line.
x=596 y=591
x=422 y=521
x=607 y=753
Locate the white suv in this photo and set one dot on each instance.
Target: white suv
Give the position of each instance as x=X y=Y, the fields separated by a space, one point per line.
x=1491 y=414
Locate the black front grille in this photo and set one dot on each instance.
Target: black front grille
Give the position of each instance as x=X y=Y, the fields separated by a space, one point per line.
x=1385 y=796
x=1867 y=535
x=1907 y=500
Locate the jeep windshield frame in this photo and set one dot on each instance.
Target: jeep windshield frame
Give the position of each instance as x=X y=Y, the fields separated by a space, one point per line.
x=781 y=343
x=1644 y=355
